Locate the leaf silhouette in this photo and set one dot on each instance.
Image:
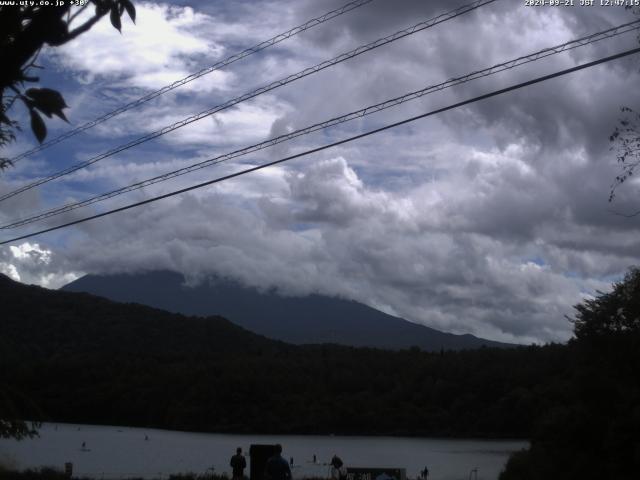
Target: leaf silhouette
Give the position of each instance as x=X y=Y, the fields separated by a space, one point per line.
x=131 y=10
x=38 y=126
x=115 y=18
x=48 y=101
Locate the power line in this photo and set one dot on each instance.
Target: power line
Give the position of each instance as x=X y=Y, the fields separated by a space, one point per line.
x=583 y=41
x=334 y=144
x=272 y=86
x=205 y=71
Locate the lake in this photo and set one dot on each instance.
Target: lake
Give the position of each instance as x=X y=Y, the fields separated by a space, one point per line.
x=120 y=452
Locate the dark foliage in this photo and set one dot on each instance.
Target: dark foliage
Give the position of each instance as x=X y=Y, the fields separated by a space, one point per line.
x=81 y=358
x=611 y=314
x=33 y=474
x=53 y=474
x=16 y=428
x=591 y=431
x=85 y=359
x=625 y=140
x=25 y=29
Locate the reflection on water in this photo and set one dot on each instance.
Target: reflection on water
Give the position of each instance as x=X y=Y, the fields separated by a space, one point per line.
x=117 y=452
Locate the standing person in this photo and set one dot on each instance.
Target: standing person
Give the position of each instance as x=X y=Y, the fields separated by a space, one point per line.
x=338 y=470
x=425 y=473
x=238 y=463
x=277 y=468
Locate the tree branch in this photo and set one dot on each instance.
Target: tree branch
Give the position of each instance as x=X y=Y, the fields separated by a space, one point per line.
x=78 y=12
x=626 y=215
x=86 y=26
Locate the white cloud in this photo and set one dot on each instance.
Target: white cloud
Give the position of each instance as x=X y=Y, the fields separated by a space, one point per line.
x=164 y=45
x=491 y=219
x=32 y=252
x=241 y=125
x=10 y=270
x=325 y=230
x=32 y=263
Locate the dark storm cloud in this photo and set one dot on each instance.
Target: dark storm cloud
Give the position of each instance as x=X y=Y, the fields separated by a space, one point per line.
x=381 y=18
x=373 y=250
x=544 y=115
x=491 y=219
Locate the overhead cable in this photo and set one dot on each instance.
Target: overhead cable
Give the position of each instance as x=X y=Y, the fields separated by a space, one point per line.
x=331 y=145
x=546 y=52
x=254 y=93
x=205 y=71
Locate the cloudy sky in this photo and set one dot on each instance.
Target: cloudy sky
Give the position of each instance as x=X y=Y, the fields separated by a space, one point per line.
x=490 y=219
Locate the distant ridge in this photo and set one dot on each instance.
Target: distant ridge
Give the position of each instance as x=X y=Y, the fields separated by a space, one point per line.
x=77 y=322
x=313 y=319
x=78 y=358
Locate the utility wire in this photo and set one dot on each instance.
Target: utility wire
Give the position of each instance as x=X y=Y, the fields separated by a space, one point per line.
x=334 y=144
x=587 y=40
x=272 y=86
x=205 y=71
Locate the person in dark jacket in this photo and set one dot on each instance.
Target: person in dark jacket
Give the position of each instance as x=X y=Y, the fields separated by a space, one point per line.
x=338 y=470
x=238 y=464
x=277 y=468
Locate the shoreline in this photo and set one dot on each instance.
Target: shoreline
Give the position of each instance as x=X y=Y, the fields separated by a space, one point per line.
x=299 y=434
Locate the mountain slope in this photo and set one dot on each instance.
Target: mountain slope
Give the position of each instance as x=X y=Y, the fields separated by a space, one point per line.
x=68 y=321
x=312 y=319
x=74 y=357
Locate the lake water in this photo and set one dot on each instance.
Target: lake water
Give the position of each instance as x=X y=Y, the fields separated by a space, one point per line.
x=120 y=452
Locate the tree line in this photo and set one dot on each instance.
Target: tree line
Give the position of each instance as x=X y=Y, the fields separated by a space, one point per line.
x=80 y=358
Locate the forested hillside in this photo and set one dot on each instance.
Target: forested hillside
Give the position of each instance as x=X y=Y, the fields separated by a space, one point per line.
x=78 y=358
x=591 y=430
x=85 y=359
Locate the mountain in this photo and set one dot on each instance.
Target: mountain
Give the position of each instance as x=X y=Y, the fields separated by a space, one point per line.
x=312 y=319
x=80 y=322
x=74 y=357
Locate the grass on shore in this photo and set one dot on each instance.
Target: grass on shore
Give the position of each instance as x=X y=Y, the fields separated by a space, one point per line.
x=47 y=473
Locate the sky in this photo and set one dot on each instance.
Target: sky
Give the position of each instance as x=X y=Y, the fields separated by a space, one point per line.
x=491 y=219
